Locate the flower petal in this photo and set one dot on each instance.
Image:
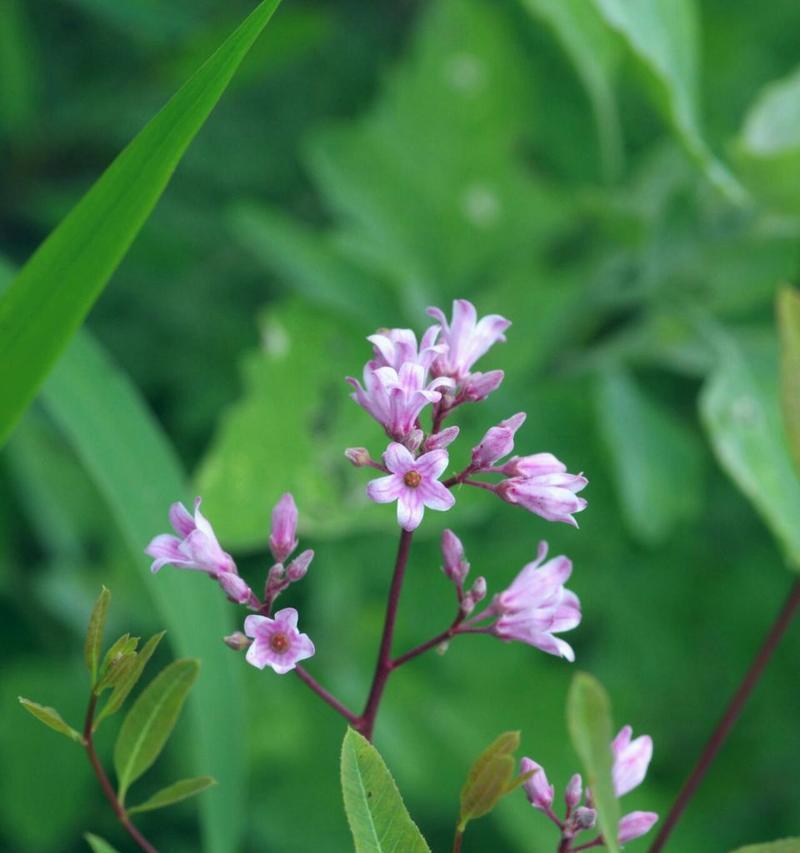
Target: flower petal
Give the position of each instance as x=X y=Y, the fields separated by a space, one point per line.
x=384 y=490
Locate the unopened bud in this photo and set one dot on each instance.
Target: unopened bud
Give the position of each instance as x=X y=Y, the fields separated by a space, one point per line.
x=455 y=566
x=299 y=566
x=574 y=791
x=282 y=540
x=359 y=456
x=497 y=443
x=478 y=386
x=441 y=439
x=585 y=818
x=234 y=587
x=414 y=440
x=471 y=599
x=237 y=641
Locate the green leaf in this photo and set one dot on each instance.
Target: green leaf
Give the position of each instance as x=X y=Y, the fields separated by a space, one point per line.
x=375 y=810
x=656 y=461
x=132 y=464
x=789 y=325
x=94 y=633
x=174 y=794
x=767 y=150
x=785 y=845
x=128 y=680
x=740 y=408
x=150 y=721
x=490 y=778
x=50 y=717
x=118 y=670
x=591 y=731
x=48 y=300
x=98 y=845
x=663 y=35
x=594 y=51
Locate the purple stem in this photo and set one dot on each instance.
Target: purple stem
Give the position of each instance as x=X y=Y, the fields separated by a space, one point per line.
x=734 y=709
x=326 y=696
x=458 y=838
x=432 y=643
x=598 y=842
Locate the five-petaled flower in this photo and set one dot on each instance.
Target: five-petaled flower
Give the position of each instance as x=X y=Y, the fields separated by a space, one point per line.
x=277 y=642
x=413 y=483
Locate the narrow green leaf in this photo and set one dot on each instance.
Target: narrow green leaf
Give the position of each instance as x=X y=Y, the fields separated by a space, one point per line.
x=375 y=810
x=150 y=721
x=48 y=300
x=490 y=778
x=98 y=845
x=174 y=794
x=124 y=685
x=50 y=717
x=135 y=469
x=117 y=670
x=591 y=731
x=789 y=325
x=94 y=634
x=121 y=648
x=785 y=845
x=740 y=408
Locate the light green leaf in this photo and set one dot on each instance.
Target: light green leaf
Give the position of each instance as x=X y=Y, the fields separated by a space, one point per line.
x=656 y=461
x=150 y=721
x=741 y=410
x=135 y=469
x=98 y=845
x=174 y=794
x=663 y=35
x=48 y=300
x=490 y=778
x=375 y=810
x=591 y=731
x=594 y=51
x=789 y=325
x=117 y=670
x=768 y=148
x=50 y=717
x=785 y=845
x=94 y=633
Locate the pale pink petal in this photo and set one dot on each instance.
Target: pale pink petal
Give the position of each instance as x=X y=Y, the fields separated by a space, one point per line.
x=634 y=825
x=398 y=459
x=165 y=549
x=252 y=624
x=432 y=464
x=181 y=519
x=258 y=655
x=410 y=509
x=384 y=490
x=287 y=618
x=631 y=763
x=436 y=496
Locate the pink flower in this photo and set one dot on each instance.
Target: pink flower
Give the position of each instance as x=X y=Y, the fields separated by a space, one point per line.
x=539 y=791
x=536 y=606
x=533 y=466
x=634 y=825
x=550 y=495
x=478 y=386
x=282 y=539
x=631 y=760
x=441 y=439
x=497 y=443
x=467 y=338
x=195 y=547
x=395 y=347
x=277 y=642
x=413 y=483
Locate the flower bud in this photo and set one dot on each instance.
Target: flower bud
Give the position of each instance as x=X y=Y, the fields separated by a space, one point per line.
x=634 y=825
x=455 y=566
x=497 y=443
x=478 y=386
x=414 y=440
x=475 y=595
x=574 y=791
x=237 y=641
x=299 y=566
x=359 y=456
x=282 y=540
x=584 y=818
x=235 y=588
x=441 y=439
x=538 y=790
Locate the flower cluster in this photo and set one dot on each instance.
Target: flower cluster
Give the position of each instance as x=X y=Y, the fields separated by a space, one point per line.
x=631 y=760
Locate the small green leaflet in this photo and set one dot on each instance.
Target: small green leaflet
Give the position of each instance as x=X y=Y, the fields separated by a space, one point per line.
x=174 y=794
x=98 y=845
x=94 y=633
x=51 y=718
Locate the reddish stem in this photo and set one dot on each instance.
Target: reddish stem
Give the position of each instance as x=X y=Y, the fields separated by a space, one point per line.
x=458 y=838
x=430 y=644
x=326 y=696
x=105 y=784
x=734 y=709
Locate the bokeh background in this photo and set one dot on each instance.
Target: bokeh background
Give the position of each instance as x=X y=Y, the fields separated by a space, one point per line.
x=371 y=159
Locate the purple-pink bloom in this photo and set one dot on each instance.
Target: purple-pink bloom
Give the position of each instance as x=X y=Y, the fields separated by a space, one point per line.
x=413 y=483
x=634 y=825
x=395 y=347
x=552 y=496
x=574 y=791
x=533 y=466
x=235 y=588
x=467 y=338
x=478 y=386
x=631 y=760
x=277 y=642
x=536 y=606
x=438 y=440
x=539 y=791
x=296 y=570
x=455 y=566
x=283 y=539
x=497 y=443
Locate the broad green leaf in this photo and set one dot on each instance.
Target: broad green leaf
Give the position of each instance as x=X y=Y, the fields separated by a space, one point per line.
x=594 y=51
x=94 y=633
x=49 y=298
x=591 y=731
x=123 y=685
x=785 y=845
x=656 y=461
x=375 y=810
x=137 y=472
x=663 y=35
x=98 y=845
x=50 y=717
x=490 y=778
x=768 y=148
x=789 y=325
x=150 y=721
x=174 y=794
x=740 y=407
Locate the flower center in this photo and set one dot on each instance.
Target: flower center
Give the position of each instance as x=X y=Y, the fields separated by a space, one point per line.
x=412 y=479
x=279 y=643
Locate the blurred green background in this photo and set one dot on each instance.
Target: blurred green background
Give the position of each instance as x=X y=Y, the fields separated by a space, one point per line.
x=550 y=160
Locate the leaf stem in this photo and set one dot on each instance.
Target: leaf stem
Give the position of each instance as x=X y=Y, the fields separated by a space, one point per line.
x=326 y=696
x=105 y=784
x=457 y=839
x=729 y=718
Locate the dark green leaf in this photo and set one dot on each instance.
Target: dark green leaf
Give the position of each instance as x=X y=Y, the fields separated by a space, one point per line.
x=375 y=810
x=789 y=325
x=94 y=634
x=50 y=717
x=150 y=721
x=591 y=731
x=48 y=300
x=174 y=794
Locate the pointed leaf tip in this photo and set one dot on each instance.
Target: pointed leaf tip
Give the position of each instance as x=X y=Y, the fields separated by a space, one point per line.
x=51 y=718
x=94 y=633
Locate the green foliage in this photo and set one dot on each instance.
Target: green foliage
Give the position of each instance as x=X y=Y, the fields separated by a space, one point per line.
x=591 y=731
x=94 y=633
x=51 y=718
x=376 y=814
x=785 y=845
x=150 y=722
x=37 y=319
x=98 y=845
x=789 y=325
x=174 y=794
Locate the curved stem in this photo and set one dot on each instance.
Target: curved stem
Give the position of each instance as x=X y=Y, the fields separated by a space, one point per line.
x=721 y=732
x=457 y=839
x=105 y=784
x=443 y=637
x=325 y=695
